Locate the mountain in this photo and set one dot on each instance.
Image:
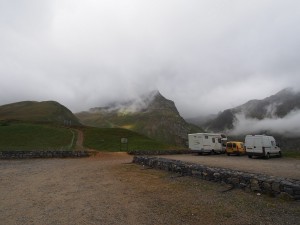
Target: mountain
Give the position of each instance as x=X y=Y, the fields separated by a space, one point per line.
x=201 y=120
x=42 y=112
x=260 y=115
x=152 y=115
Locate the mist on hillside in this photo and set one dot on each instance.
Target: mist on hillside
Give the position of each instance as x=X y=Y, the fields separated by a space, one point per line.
x=287 y=126
x=137 y=104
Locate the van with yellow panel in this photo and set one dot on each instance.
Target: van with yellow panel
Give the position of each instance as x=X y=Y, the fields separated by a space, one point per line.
x=235 y=147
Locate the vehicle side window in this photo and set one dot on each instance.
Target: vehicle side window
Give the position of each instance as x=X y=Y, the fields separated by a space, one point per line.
x=213 y=140
x=234 y=145
x=219 y=140
x=229 y=145
x=273 y=143
x=206 y=137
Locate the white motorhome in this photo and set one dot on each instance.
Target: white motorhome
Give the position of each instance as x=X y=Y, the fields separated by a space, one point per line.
x=261 y=145
x=207 y=142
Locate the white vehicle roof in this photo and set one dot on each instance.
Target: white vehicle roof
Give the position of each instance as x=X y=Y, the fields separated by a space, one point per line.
x=208 y=134
x=258 y=135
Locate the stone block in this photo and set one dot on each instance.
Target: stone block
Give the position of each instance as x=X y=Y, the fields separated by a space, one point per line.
x=276 y=187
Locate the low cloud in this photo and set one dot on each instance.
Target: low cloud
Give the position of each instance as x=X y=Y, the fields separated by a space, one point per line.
x=287 y=126
x=206 y=56
x=136 y=104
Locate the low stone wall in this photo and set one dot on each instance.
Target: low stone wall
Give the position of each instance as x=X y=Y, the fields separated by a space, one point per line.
x=42 y=154
x=161 y=152
x=273 y=186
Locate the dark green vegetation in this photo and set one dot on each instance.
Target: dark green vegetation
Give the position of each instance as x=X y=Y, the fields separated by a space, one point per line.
x=37 y=112
x=291 y=154
x=25 y=136
x=21 y=136
x=37 y=126
x=109 y=139
x=157 y=118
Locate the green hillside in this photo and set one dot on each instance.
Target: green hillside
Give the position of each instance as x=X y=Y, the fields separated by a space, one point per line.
x=156 y=118
x=42 y=112
x=20 y=136
x=109 y=139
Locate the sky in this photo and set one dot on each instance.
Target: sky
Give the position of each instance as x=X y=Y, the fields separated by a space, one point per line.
x=205 y=55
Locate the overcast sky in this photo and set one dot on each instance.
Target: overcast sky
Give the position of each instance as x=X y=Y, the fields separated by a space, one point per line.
x=205 y=55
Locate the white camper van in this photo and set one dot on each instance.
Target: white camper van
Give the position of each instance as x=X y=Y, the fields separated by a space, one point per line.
x=207 y=142
x=261 y=145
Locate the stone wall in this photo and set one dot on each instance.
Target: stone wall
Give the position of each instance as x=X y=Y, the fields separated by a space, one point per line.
x=41 y=154
x=273 y=186
x=161 y=152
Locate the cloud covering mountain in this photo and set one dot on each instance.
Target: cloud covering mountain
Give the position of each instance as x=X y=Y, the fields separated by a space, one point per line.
x=277 y=114
x=204 y=55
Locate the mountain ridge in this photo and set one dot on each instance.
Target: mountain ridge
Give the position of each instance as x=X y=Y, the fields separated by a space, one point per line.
x=152 y=115
x=275 y=107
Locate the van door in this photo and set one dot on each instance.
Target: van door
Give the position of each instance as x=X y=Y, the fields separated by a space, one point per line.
x=250 y=144
x=257 y=145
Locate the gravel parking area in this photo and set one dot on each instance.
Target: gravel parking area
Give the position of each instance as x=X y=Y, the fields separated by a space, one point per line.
x=280 y=167
x=109 y=189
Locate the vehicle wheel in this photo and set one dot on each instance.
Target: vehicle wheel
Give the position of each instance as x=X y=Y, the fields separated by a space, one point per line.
x=238 y=154
x=250 y=156
x=228 y=154
x=267 y=156
x=279 y=154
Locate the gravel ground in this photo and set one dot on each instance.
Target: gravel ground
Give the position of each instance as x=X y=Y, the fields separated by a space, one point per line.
x=281 y=167
x=108 y=189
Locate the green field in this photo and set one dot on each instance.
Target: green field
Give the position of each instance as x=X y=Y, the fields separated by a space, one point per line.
x=109 y=139
x=291 y=154
x=19 y=136
x=23 y=137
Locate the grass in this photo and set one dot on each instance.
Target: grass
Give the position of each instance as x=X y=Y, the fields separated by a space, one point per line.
x=21 y=136
x=291 y=154
x=109 y=139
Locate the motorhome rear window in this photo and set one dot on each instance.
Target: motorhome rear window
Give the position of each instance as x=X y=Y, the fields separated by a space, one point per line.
x=206 y=137
x=213 y=140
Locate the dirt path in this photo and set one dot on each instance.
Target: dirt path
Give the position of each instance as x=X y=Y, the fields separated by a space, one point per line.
x=79 y=141
x=108 y=189
x=281 y=167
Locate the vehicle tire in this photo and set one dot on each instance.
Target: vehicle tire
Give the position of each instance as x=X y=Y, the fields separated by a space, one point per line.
x=238 y=154
x=267 y=156
x=279 y=154
x=228 y=154
x=250 y=156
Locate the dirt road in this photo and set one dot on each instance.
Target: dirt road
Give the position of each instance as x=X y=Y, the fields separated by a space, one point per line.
x=281 y=167
x=108 y=189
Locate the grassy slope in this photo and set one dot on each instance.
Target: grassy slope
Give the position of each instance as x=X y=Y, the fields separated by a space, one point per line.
x=109 y=139
x=23 y=136
x=162 y=126
x=30 y=111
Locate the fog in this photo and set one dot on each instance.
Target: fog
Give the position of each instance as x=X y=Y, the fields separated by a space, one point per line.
x=204 y=55
x=287 y=126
